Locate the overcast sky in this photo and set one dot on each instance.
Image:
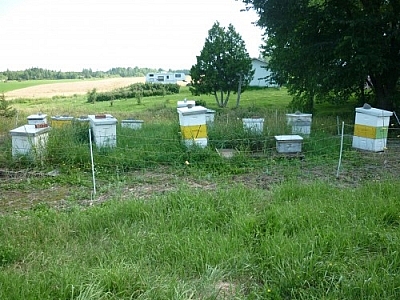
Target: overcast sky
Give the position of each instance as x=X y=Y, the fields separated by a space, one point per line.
x=70 y=35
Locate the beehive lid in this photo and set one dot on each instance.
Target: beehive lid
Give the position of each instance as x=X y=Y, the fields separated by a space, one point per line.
x=210 y=111
x=37 y=117
x=82 y=119
x=195 y=110
x=29 y=130
x=253 y=120
x=102 y=119
x=184 y=103
x=62 y=118
x=373 y=111
x=298 y=114
x=289 y=137
x=132 y=121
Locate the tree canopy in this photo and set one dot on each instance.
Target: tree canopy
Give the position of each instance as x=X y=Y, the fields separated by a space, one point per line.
x=223 y=66
x=332 y=49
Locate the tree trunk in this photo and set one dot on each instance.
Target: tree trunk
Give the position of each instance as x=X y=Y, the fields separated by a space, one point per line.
x=227 y=98
x=385 y=91
x=222 y=98
x=310 y=104
x=239 y=91
x=217 y=100
x=382 y=98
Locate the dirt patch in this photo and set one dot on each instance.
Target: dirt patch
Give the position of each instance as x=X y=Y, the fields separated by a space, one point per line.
x=18 y=193
x=26 y=189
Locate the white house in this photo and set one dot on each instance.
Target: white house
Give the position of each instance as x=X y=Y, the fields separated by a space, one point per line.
x=165 y=77
x=261 y=74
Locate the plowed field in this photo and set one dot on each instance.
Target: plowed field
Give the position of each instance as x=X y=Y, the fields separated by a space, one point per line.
x=71 y=88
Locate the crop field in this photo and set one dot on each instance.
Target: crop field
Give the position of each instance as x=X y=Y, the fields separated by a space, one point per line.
x=7 y=86
x=153 y=219
x=36 y=89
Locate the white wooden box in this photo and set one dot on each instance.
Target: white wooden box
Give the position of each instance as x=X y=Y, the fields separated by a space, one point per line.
x=288 y=143
x=255 y=125
x=104 y=130
x=131 y=123
x=29 y=140
x=300 y=122
x=37 y=119
x=363 y=143
x=372 y=117
x=210 y=116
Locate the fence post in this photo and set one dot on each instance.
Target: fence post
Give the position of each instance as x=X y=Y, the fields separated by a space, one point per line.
x=341 y=151
x=92 y=161
x=337 y=125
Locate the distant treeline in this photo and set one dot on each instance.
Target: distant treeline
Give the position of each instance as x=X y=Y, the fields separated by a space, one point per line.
x=39 y=73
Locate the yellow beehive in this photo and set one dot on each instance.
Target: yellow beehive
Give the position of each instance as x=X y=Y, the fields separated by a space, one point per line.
x=60 y=121
x=371 y=128
x=192 y=120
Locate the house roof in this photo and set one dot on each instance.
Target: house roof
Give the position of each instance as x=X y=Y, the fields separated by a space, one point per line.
x=258 y=59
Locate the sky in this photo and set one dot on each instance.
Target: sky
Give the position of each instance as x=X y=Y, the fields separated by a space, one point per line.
x=70 y=35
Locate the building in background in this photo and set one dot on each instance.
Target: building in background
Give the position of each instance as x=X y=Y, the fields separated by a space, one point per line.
x=261 y=74
x=165 y=77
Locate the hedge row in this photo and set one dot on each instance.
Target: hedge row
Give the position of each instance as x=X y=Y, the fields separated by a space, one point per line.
x=136 y=90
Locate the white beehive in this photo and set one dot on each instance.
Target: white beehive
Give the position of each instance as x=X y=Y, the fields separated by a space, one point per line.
x=288 y=143
x=371 y=128
x=254 y=125
x=300 y=122
x=210 y=116
x=104 y=130
x=29 y=139
x=82 y=119
x=192 y=121
x=131 y=123
x=37 y=119
x=185 y=103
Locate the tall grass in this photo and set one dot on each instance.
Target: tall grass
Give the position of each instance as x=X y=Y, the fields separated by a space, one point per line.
x=298 y=241
x=159 y=144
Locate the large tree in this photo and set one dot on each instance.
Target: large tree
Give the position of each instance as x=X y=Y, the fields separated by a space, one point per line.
x=223 y=66
x=329 y=49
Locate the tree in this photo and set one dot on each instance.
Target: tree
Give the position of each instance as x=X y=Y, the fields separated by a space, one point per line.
x=92 y=96
x=5 y=109
x=223 y=65
x=328 y=50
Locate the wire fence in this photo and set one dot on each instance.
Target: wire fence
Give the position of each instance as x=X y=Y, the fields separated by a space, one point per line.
x=160 y=147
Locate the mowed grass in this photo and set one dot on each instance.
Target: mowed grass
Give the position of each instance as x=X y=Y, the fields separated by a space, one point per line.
x=297 y=241
x=252 y=100
x=149 y=108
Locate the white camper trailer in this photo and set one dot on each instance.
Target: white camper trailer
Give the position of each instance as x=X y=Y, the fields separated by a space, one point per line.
x=165 y=77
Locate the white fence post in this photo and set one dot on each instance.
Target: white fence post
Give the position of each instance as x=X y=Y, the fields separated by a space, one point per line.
x=341 y=151
x=92 y=161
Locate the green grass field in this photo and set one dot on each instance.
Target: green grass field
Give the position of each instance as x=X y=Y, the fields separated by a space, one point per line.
x=15 y=85
x=296 y=241
x=168 y=222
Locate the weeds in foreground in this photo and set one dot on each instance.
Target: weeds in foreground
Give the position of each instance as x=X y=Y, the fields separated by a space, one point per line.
x=296 y=241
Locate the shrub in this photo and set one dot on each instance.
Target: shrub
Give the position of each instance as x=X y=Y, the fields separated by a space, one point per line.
x=136 y=90
x=201 y=103
x=5 y=108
